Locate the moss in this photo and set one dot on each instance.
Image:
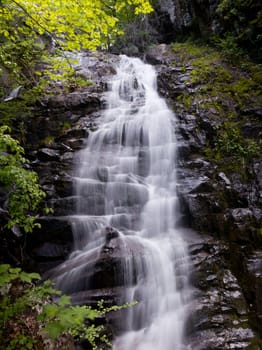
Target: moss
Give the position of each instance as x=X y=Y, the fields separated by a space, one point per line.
x=210 y=105
x=66 y=125
x=208 y=69
x=243 y=86
x=48 y=141
x=222 y=91
x=257 y=75
x=188 y=50
x=185 y=99
x=211 y=70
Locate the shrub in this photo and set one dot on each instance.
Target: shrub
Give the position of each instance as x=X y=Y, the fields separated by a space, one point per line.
x=28 y=314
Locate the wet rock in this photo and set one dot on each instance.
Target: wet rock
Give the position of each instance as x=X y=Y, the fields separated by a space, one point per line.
x=254 y=281
x=62 y=123
x=232 y=338
x=73 y=133
x=103 y=267
x=75 y=144
x=47 y=154
x=86 y=101
x=14 y=94
x=222 y=205
x=51 y=244
x=68 y=205
x=171 y=82
x=209 y=197
x=253 y=110
x=51 y=251
x=244 y=223
x=68 y=156
x=183 y=150
x=111 y=233
x=224 y=178
x=158 y=54
x=220 y=319
x=64 y=184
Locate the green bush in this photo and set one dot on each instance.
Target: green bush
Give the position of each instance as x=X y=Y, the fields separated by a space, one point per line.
x=24 y=194
x=230 y=143
x=230 y=48
x=28 y=314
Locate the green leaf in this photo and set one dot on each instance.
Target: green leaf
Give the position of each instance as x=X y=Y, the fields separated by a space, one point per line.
x=54 y=329
x=28 y=277
x=50 y=310
x=15 y=271
x=64 y=300
x=4 y=268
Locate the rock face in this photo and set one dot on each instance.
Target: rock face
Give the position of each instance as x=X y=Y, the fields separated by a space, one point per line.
x=60 y=127
x=188 y=15
x=224 y=210
x=234 y=26
x=213 y=199
x=221 y=204
x=175 y=19
x=222 y=313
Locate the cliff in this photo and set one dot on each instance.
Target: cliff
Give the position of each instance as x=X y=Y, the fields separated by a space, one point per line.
x=218 y=126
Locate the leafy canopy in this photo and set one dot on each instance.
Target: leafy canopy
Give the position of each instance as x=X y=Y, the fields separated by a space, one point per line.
x=34 y=36
x=73 y=25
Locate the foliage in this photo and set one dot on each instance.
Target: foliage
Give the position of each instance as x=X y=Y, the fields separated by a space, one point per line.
x=24 y=193
x=75 y=320
x=222 y=92
x=189 y=50
x=37 y=36
x=21 y=299
x=217 y=80
x=27 y=27
x=9 y=112
x=229 y=47
x=82 y=24
x=9 y=274
x=229 y=142
x=241 y=21
x=13 y=304
x=232 y=26
x=207 y=73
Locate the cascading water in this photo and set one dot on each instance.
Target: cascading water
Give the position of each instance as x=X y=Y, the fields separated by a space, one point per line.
x=127 y=180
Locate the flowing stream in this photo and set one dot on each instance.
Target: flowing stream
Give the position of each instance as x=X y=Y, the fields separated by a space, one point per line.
x=126 y=181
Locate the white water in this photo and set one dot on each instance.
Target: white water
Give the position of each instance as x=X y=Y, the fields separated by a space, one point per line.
x=127 y=178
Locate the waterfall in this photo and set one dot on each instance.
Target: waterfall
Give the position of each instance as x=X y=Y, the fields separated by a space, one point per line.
x=126 y=181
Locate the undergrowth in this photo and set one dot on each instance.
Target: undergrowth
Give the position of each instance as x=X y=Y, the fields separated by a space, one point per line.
x=29 y=316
